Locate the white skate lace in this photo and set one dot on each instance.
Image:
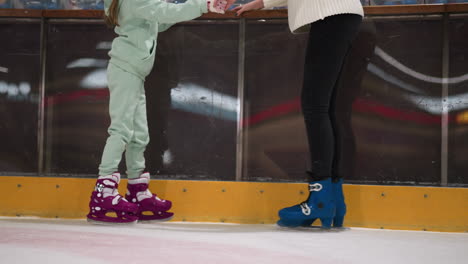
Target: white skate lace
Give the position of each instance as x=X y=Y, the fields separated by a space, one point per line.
x=116 y=200
x=106 y=192
x=305 y=208
x=144 y=195
x=109 y=183
x=316 y=187
x=147 y=194
x=110 y=192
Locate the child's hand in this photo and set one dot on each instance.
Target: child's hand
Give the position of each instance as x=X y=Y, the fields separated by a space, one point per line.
x=257 y=4
x=219 y=6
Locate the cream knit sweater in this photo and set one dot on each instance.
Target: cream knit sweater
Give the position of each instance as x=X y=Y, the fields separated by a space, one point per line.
x=303 y=12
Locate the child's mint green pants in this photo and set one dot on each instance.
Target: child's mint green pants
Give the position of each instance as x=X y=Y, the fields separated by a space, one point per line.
x=128 y=131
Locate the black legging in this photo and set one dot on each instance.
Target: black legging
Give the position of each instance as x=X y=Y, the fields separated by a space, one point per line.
x=329 y=42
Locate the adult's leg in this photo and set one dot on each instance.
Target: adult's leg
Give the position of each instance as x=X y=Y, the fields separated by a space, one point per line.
x=329 y=42
x=150 y=207
x=345 y=92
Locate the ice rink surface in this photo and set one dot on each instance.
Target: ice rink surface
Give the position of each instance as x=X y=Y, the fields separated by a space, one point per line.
x=54 y=241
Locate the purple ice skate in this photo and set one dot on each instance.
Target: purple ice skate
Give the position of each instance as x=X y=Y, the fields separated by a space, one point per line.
x=150 y=206
x=106 y=199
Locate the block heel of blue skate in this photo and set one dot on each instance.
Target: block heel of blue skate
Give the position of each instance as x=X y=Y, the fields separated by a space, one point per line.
x=340 y=212
x=338 y=221
x=326 y=222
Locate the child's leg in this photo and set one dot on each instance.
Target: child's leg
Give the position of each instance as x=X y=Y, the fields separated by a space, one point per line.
x=134 y=153
x=150 y=206
x=125 y=90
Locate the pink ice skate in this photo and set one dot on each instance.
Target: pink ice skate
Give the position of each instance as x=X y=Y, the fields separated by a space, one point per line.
x=106 y=199
x=150 y=206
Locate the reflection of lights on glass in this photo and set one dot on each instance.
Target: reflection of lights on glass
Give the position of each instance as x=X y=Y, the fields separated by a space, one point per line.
x=196 y=99
x=420 y=76
x=3 y=87
x=435 y=105
x=87 y=63
x=167 y=157
x=104 y=45
x=18 y=91
x=392 y=79
x=24 y=88
x=95 y=80
x=3 y=69
x=462 y=118
x=13 y=89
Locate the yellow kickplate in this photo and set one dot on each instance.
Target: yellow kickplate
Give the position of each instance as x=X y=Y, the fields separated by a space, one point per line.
x=389 y=207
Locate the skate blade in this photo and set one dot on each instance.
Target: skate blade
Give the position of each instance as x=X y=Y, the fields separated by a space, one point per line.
x=155 y=221
x=317 y=229
x=102 y=223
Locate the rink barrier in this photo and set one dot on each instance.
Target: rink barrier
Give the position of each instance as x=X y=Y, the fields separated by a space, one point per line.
x=385 y=207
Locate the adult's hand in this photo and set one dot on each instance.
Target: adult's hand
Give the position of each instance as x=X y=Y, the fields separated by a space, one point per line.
x=254 y=5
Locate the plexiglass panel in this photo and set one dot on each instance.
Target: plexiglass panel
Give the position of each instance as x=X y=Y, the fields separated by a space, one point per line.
x=396 y=116
x=76 y=98
x=19 y=95
x=457 y=101
x=387 y=111
x=191 y=100
x=274 y=148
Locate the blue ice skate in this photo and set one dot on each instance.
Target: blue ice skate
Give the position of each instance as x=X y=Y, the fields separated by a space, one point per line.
x=320 y=204
x=340 y=211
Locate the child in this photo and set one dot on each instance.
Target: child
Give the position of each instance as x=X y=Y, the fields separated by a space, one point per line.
x=137 y=23
x=332 y=26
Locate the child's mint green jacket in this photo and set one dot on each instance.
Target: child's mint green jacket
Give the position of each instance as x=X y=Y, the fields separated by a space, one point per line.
x=140 y=21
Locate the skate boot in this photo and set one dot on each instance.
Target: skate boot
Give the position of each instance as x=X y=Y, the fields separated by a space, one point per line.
x=320 y=204
x=106 y=199
x=337 y=186
x=150 y=206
